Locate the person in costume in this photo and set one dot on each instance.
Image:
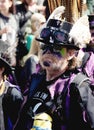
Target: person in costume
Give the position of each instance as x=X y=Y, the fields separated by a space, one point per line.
x=82 y=34
x=53 y=101
x=10 y=95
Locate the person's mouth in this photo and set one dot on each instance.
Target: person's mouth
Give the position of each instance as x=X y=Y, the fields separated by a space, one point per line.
x=46 y=63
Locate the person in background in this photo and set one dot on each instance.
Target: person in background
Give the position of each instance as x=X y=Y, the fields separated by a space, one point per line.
x=90 y=6
x=25 y=10
x=11 y=97
x=8 y=26
x=91 y=26
x=35 y=48
x=37 y=20
x=29 y=61
x=85 y=40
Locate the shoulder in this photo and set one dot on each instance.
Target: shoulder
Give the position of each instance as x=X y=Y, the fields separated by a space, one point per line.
x=38 y=75
x=81 y=84
x=14 y=90
x=12 y=19
x=20 y=7
x=80 y=79
x=91 y=56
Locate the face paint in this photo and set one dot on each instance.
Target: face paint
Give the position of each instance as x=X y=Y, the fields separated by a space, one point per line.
x=63 y=51
x=59 y=51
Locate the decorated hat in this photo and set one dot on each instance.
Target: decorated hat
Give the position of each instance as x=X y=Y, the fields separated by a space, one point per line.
x=5 y=56
x=91 y=21
x=56 y=33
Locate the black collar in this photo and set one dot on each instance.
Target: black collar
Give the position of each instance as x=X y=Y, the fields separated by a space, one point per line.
x=63 y=76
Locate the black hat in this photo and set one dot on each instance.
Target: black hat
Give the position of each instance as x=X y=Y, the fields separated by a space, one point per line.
x=5 y=56
x=91 y=21
x=56 y=33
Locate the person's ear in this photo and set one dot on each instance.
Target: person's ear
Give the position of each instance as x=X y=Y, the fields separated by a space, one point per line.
x=2 y=70
x=10 y=2
x=71 y=54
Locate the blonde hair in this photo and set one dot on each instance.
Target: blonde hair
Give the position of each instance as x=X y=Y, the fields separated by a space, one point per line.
x=36 y=20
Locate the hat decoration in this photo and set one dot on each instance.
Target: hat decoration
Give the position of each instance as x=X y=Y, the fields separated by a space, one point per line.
x=80 y=32
x=56 y=33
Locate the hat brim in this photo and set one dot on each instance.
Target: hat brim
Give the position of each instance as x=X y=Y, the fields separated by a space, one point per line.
x=70 y=46
x=8 y=68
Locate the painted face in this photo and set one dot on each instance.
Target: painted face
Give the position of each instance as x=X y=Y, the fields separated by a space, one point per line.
x=53 y=58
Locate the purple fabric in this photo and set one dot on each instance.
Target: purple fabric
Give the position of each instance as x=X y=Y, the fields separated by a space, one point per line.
x=92 y=22
x=38 y=68
x=89 y=68
x=57 y=87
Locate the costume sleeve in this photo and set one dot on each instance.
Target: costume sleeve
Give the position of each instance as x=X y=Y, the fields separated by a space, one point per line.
x=15 y=104
x=87 y=97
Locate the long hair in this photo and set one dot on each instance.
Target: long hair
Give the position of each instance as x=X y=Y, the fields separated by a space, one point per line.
x=72 y=63
x=12 y=9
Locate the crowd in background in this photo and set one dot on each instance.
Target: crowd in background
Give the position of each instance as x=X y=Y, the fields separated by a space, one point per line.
x=20 y=24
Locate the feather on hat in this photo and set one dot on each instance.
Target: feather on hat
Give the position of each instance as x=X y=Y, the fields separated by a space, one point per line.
x=80 y=32
x=62 y=28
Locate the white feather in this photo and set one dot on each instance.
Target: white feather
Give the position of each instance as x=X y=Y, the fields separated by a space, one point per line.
x=80 y=32
x=57 y=13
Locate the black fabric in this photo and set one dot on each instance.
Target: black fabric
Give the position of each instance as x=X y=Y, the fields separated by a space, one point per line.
x=80 y=87
x=47 y=10
x=76 y=118
x=11 y=105
x=25 y=120
x=21 y=47
x=4 y=17
x=22 y=14
x=85 y=59
x=90 y=47
x=73 y=119
x=28 y=69
x=38 y=85
x=2 y=126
